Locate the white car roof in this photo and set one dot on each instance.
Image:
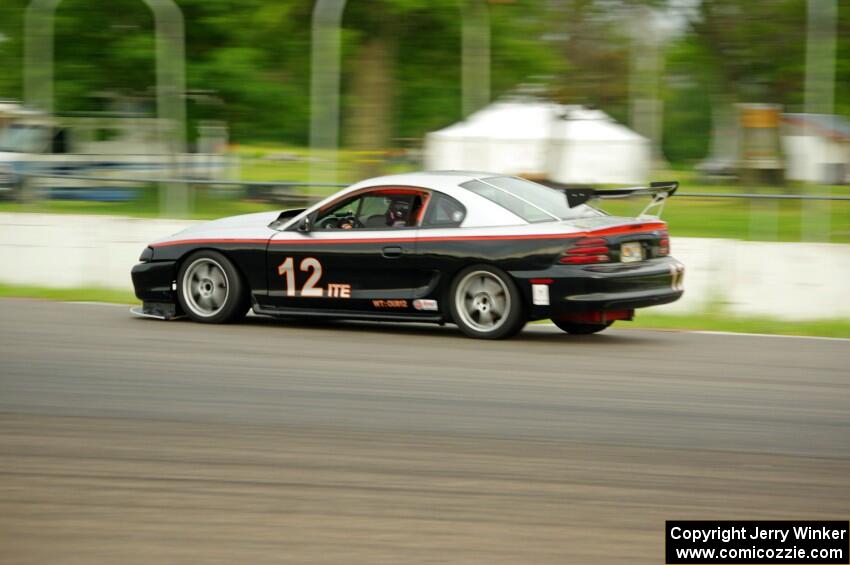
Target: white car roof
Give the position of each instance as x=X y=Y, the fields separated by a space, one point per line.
x=480 y=211
x=445 y=181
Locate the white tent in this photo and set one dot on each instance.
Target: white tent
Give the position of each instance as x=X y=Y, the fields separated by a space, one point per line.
x=505 y=137
x=589 y=147
x=533 y=138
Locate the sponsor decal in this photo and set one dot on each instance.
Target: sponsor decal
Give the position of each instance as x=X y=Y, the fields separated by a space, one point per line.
x=389 y=303
x=336 y=290
x=426 y=305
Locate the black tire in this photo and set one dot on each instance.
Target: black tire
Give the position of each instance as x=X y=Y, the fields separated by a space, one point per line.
x=498 y=295
x=211 y=305
x=576 y=328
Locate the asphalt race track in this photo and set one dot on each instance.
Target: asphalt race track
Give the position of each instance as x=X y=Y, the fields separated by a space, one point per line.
x=127 y=441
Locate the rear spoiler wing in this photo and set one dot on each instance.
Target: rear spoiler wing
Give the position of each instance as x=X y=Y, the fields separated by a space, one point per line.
x=660 y=192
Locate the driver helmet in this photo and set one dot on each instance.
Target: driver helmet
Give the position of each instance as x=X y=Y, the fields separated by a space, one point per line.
x=398 y=212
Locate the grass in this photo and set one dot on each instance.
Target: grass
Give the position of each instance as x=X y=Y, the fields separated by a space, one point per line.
x=728 y=323
x=762 y=220
x=688 y=217
x=69 y=294
x=648 y=319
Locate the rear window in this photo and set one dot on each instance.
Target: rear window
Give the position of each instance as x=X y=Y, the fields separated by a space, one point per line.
x=530 y=201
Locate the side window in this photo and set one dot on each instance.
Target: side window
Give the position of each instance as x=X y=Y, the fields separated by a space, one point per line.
x=444 y=211
x=339 y=216
x=391 y=210
x=373 y=213
x=381 y=209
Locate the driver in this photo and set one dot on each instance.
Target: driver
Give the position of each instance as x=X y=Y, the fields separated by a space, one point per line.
x=398 y=213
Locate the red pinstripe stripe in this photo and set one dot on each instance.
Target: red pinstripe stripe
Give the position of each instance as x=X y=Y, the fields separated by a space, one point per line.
x=636 y=228
x=202 y=241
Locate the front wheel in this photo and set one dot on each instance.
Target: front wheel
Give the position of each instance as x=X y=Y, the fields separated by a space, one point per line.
x=485 y=303
x=210 y=289
x=576 y=328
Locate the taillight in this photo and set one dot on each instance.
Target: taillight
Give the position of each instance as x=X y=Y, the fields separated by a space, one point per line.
x=585 y=251
x=664 y=244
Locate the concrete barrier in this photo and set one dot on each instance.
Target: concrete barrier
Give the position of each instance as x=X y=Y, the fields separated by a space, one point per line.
x=793 y=281
x=66 y=251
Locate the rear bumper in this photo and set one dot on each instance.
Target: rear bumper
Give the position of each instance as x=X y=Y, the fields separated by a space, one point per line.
x=576 y=289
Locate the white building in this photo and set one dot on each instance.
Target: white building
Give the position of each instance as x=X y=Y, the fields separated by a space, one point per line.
x=816 y=148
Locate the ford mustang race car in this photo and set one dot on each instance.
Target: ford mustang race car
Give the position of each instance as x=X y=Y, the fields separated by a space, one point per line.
x=486 y=252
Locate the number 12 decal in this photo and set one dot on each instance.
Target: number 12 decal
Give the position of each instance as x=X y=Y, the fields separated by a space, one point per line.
x=310 y=290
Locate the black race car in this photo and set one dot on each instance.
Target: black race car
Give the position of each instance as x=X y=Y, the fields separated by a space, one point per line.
x=485 y=252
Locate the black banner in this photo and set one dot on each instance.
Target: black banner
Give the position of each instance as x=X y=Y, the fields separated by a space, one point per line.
x=765 y=542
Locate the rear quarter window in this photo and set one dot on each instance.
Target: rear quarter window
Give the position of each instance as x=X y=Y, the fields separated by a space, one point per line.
x=444 y=211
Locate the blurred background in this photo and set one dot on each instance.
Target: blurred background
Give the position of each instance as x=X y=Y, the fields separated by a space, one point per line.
x=723 y=94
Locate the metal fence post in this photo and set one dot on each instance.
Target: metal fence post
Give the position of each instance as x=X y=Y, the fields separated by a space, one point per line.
x=325 y=69
x=325 y=63
x=475 y=55
x=819 y=99
x=39 y=33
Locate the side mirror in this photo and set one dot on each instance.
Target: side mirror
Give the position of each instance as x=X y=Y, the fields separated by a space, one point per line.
x=305 y=225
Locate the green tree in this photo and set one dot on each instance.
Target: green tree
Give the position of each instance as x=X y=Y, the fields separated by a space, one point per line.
x=740 y=51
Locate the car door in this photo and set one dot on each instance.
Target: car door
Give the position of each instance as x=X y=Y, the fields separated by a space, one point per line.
x=359 y=255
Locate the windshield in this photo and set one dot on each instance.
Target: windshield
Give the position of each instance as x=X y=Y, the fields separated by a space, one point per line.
x=22 y=138
x=530 y=201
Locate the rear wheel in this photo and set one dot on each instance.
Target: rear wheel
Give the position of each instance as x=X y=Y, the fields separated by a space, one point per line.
x=580 y=329
x=210 y=289
x=486 y=304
